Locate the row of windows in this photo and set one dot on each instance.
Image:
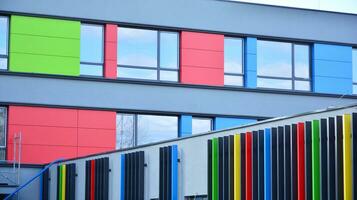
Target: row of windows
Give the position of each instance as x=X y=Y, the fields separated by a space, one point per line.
x=154 y=55
x=139 y=129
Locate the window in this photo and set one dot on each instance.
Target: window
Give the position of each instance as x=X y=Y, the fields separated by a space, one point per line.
x=148 y=54
x=4 y=32
x=140 y=129
x=201 y=125
x=3 y=123
x=91 y=50
x=283 y=65
x=233 y=61
x=354 y=67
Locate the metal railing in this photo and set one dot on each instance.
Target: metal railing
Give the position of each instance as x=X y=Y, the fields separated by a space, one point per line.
x=39 y=174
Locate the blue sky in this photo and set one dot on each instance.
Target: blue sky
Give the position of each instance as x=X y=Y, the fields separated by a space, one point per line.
x=346 y=6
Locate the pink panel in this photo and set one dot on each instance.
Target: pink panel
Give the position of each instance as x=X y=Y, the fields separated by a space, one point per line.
x=110 y=51
x=202 y=58
x=203 y=76
x=43 y=135
x=97 y=119
x=41 y=154
x=42 y=116
x=194 y=40
x=84 y=151
x=96 y=138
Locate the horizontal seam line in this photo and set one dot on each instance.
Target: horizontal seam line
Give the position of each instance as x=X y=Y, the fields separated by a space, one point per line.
x=61 y=145
x=218 y=51
x=43 y=54
x=340 y=61
x=60 y=126
x=192 y=66
x=46 y=36
x=333 y=77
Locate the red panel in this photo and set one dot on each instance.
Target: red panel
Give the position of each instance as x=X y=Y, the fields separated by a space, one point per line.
x=42 y=116
x=96 y=119
x=248 y=166
x=84 y=151
x=41 y=154
x=193 y=40
x=301 y=161
x=96 y=138
x=92 y=180
x=44 y=135
x=202 y=58
x=110 y=51
x=203 y=76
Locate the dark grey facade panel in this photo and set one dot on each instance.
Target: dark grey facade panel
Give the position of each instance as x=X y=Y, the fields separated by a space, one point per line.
x=207 y=15
x=157 y=98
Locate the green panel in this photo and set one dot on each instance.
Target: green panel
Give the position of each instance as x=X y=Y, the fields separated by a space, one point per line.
x=45 y=27
x=315 y=160
x=60 y=183
x=34 y=45
x=39 y=45
x=215 y=169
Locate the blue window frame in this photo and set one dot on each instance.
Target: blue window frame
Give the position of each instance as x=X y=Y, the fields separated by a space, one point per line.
x=92 y=48
x=4 y=42
x=283 y=65
x=233 y=61
x=148 y=54
x=354 y=71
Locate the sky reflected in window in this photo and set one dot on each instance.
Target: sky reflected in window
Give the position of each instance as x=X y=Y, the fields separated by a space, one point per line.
x=169 y=50
x=354 y=64
x=91 y=43
x=201 y=125
x=233 y=55
x=302 y=61
x=125 y=133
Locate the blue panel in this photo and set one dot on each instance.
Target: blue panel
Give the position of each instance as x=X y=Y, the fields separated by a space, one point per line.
x=332 y=69
x=174 y=171
x=332 y=85
x=122 y=176
x=250 y=63
x=332 y=52
x=185 y=125
x=267 y=165
x=224 y=123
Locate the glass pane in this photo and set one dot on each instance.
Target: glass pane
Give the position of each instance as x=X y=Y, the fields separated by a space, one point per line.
x=201 y=125
x=354 y=89
x=302 y=85
x=137 y=47
x=124 y=72
x=91 y=70
x=233 y=55
x=274 y=83
x=354 y=64
x=302 y=61
x=233 y=80
x=125 y=136
x=4 y=31
x=2 y=126
x=3 y=63
x=274 y=59
x=169 y=50
x=91 y=43
x=154 y=128
x=168 y=75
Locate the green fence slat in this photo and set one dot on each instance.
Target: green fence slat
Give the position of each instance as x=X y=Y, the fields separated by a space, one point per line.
x=316 y=160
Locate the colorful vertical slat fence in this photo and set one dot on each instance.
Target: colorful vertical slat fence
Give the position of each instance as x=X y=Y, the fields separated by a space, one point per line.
x=168 y=180
x=66 y=178
x=97 y=179
x=309 y=160
x=132 y=176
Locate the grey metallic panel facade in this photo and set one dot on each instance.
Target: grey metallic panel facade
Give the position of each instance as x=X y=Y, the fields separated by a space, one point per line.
x=140 y=97
x=207 y=15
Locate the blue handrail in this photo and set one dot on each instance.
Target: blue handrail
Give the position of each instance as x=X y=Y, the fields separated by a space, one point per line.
x=32 y=179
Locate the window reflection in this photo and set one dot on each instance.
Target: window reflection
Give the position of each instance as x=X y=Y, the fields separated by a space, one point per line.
x=91 y=54
x=274 y=83
x=233 y=61
x=4 y=32
x=354 y=70
x=168 y=50
x=301 y=61
x=201 y=125
x=125 y=136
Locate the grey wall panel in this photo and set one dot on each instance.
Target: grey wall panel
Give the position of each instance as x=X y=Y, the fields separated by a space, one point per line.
x=130 y=96
x=212 y=15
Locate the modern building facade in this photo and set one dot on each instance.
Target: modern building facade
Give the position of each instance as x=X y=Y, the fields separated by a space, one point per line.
x=84 y=77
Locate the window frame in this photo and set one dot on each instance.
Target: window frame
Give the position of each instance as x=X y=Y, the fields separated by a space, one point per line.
x=293 y=79
x=103 y=51
x=157 y=68
x=243 y=64
x=354 y=84
x=135 y=118
x=6 y=56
